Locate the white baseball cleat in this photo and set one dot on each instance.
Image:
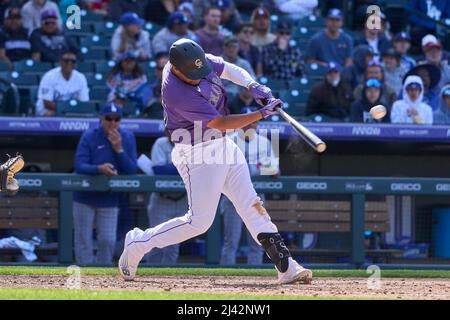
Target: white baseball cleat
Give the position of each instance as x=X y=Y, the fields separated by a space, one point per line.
x=129 y=260
x=295 y=273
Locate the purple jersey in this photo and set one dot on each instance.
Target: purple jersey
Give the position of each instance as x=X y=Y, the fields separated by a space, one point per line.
x=184 y=103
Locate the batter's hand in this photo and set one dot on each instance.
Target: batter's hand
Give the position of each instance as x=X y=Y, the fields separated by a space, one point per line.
x=260 y=93
x=270 y=108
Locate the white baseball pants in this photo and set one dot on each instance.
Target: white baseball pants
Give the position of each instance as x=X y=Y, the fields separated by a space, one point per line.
x=205 y=182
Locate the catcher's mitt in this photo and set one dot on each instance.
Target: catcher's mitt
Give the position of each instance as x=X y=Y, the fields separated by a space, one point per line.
x=7 y=172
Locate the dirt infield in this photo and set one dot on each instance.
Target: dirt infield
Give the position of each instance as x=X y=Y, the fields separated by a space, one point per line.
x=391 y=288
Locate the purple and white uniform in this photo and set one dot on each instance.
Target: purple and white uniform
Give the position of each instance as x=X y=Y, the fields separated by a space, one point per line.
x=204 y=181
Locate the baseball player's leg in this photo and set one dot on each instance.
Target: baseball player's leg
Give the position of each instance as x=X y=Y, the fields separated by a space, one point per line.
x=106 y=226
x=232 y=226
x=158 y=211
x=83 y=225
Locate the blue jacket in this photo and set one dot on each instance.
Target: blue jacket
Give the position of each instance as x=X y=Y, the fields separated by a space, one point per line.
x=438 y=8
x=95 y=149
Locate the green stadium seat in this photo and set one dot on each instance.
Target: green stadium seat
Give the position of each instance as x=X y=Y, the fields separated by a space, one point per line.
x=86 y=67
x=152 y=28
x=295 y=102
x=33 y=67
x=274 y=84
x=20 y=79
x=302 y=32
x=105 y=28
x=304 y=85
x=315 y=71
x=96 y=79
x=98 y=94
x=104 y=67
x=75 y=108
x=130 y=110
x=88 y=54
x=312 y=21
x=89 y=16
x=4 y=66
x=85 y=29
x=96 y=42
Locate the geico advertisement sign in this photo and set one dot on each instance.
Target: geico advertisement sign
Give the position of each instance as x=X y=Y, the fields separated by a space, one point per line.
x=312 y=186
x=443 y=187
x=124 y=184
x=30 y=182
x=406 y=186
x=276 y=185
x=169 y=184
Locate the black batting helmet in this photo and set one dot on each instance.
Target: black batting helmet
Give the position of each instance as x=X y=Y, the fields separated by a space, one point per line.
x=188 y=57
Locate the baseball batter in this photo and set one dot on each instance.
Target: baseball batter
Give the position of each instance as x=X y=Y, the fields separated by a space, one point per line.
x=195 y=109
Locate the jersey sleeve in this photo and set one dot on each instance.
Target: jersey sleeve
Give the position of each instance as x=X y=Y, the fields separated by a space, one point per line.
x=217 y=63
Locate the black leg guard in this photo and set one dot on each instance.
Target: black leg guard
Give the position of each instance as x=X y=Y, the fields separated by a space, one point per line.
x=276 y=250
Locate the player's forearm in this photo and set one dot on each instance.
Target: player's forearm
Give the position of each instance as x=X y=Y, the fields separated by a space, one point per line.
x=234 y=121
x=236 y=75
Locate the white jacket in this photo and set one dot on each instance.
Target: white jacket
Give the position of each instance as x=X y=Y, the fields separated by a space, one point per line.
x=399 y=112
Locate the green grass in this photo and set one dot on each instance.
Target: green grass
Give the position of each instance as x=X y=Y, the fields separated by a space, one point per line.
x=64 y=294
x=92 y=271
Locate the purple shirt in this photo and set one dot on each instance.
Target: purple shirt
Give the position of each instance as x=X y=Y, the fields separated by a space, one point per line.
x=184 y=103
x=210 y=42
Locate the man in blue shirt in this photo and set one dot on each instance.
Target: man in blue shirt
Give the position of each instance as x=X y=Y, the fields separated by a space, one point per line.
x=331 y=44
x=104 y=150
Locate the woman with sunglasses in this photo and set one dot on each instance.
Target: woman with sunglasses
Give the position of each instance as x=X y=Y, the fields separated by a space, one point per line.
x=372 y=96
x=127 y=82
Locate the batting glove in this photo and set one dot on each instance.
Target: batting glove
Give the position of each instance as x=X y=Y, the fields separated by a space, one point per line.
x=260 y=93
x=270 y=108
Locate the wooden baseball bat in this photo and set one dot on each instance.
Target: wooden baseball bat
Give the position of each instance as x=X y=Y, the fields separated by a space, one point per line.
x=314 y=141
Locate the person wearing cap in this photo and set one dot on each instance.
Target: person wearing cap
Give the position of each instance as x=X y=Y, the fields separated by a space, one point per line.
x=411 y=109
x=177 y=27
x=210 y=37
x=332 y=96
x=442 y=115
x=48 y=42
x=32 y=13
x=230 y=16
x=62 y=83
x=129 y=36
x=260 y=19
x=261 y=160
x=331 y=44
x=279 y=59
x=402 y=44
x=127 y=82
x=372 y=96
x=394 y=71
x=373 y=37
x=248 y=51
x=230 y=54
x=375 y=70
x=15 y=44
x=434 y=55
x=116 y=8
x=104 y=150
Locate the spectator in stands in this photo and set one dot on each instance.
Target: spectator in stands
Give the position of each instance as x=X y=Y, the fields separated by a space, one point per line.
x=32 y=13
x=175 y=29
x=230 y=54
x=9 y=98
x=260 y=19
x=436 y=10
x=154 y=108
x=96 y=6
x=296 y=9
x=164 y=206
x=210 y=37
x=241 y=101
x=332 y=96
x=62 y=83
x=360 y=109
x=432 y=49
x=411 y=109
x=14 y=42
x=394 y=71
x=187 y=9
x=127 y=82
x=331 y=44
x=279 y=59
x=431 y=77
x=402 y=44
x=262 y=160
x=104 y=150
x=354 y=74
x=230 y=17
x=248 y=51
x=442 y=115
x=375 y=71
x=4 y=4
x=48 y=42
x=116 y=8
x=158 y=11
x=373 y=38
x=129 y=36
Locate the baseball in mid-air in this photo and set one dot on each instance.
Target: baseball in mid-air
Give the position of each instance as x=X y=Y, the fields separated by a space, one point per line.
x=378 y=112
